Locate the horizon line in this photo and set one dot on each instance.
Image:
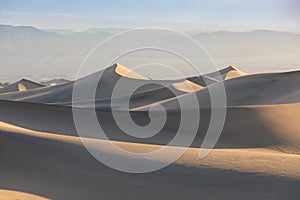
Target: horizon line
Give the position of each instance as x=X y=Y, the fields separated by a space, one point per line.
x=75 y=30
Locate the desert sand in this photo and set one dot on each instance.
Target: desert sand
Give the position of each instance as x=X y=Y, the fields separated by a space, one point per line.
x=20 y=86
x=256 y=157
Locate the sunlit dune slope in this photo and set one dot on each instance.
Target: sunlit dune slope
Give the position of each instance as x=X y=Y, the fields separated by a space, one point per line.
x=256 y=89
x=20 y=86
x=62 y=94
x=256 y=126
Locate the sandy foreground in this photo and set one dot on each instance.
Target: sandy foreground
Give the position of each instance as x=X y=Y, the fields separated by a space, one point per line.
x=257 y=156
x=59 y=167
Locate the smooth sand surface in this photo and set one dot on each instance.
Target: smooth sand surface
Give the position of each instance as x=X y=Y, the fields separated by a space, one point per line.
x=219 y=158
x=124 y=71
x=257 y=155
x=260 y=126
x=187 y=86
x=250 y=90
x=16 y=195
x=58 y=167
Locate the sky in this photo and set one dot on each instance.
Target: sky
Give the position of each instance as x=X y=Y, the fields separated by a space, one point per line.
x=177 y=14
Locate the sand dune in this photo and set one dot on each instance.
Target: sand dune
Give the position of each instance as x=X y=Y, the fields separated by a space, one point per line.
x=187 y=86
x=13 y=195
x=271 y=126
x=62 y=94
x=20 y=86
x=54 y=82
x=263 y=99
x=227 y=73
x=124 y=71
x=187 y=159
x=256 y=157
x=58 y=167
x=256 y=89
x=272 y=88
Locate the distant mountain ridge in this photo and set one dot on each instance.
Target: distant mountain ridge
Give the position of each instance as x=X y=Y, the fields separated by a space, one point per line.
x=114 y=30
x=28 y=48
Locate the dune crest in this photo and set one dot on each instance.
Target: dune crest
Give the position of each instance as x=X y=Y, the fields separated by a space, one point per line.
x=124 y=71
x=53 y=82
x=259 y=146
x=187 y=86
x=234 y=73
x=148 y=91
x=20 y=86
x=226 y=73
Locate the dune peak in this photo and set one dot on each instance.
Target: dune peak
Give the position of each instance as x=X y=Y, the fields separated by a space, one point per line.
x=234 y=72
x=187 y=86
x=126 y=72
x=21 y=85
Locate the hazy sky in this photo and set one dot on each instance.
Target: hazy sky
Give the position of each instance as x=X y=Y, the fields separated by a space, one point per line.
x=179 y=14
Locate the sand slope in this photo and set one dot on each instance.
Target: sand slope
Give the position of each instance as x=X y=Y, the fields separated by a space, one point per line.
x=58 y=167
x=260 y=126
x=256 y=89
x=20 y=86
x=256 y=157
x=53 y=82
x=62 y=94
x=227 y=73
x=14 y=195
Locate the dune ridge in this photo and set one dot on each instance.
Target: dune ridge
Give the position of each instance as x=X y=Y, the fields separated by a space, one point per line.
x=255 y=89
x=227 y=73
x=20 y=86
x=272 y=127
x=256 y=157
x=124 y=71
x=62 y=94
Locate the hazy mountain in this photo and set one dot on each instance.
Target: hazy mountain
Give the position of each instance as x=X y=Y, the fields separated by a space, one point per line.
x=60 y=31
x=259 y=50
x=30 y=42
x=111 y=30
x=26 y=51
